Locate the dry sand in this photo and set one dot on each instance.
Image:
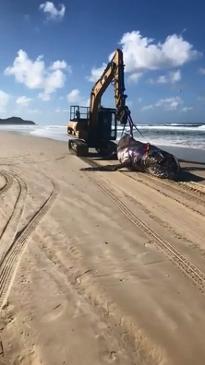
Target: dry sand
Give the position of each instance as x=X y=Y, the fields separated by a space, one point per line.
x=98 y=267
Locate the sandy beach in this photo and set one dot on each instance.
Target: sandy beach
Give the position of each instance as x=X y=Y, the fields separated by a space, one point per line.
x=98 y=267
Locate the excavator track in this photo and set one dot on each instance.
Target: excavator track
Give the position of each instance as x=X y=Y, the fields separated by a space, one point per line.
x=78 y=146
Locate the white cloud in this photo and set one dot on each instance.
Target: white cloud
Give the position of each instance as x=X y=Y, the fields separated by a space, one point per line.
x=202 y=71
x=175 y=76
x=4 y=99
x=35 y=74
x=135 y=77
x=26 y=71
x=187 y=109
x=167 y=104
x=44 y=96
x=96 y=73
x=144 y=54
x=75 y=97
x=23 y=101
x=52 y=11
x=160 y=80
x=60 y=65
x=53 y=81
x=147 y=107
x=171 y=78
x=141 y=53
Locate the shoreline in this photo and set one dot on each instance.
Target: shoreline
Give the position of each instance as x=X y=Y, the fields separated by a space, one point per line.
x=183 y=154
x=188 y=154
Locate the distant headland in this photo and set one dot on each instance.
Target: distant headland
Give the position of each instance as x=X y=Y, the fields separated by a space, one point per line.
x=15 y=120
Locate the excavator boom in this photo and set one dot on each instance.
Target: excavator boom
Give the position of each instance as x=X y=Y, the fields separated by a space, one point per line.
x=114 y=72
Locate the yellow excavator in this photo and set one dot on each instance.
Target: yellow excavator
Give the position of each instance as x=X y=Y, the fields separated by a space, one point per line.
x=96 y=126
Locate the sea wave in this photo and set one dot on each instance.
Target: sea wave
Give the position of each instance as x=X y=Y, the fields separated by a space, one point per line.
x=57 y=132
x=174 y=135
x=173 y=127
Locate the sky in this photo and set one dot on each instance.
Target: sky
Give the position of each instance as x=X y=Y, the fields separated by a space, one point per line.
x=51 y=54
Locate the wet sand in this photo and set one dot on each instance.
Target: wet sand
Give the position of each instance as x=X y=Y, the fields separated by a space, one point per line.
x=98 y=267
x=185 y=153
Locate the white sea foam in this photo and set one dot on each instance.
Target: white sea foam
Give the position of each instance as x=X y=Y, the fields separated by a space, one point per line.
x=57 y=132
x=173 y=128
x=176 y=135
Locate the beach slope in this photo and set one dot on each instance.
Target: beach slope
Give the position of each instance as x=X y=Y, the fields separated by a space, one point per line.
x=98 y=267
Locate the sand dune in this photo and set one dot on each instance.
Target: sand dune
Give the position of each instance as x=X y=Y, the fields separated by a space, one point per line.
x=98 y=267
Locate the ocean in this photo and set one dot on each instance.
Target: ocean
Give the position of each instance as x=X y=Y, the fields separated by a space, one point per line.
x=173 y=137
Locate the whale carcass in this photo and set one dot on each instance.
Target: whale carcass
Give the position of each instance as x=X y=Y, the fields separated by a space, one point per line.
x=145 y=157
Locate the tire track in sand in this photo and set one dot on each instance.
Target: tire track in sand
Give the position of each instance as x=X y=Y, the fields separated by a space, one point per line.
x=192 y=272
x=3 y=181
x=189 y=269
x=173 y=192
x=8 y=182
x=11 y=257
x=17 y=210
x=185 y=190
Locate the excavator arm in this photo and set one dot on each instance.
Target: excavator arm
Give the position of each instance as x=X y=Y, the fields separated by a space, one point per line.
x=114 y=72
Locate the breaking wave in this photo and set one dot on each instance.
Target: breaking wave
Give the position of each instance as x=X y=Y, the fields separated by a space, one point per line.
x=190 y=135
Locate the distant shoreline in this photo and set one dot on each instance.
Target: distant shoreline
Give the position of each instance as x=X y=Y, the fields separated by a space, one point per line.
x=26 y=123
x=15 y=121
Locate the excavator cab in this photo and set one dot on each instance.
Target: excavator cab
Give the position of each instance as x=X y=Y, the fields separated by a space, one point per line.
x=105 y=131
x=78 y=124
x=99 y=137
x=107 y=126
x=79 y=113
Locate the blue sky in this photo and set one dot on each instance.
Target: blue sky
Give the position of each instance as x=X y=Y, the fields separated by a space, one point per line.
x=51 y=53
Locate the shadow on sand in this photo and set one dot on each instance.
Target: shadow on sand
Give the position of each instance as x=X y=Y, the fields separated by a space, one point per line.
x=185 y=174
x=187 y=169
x=110 y=168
